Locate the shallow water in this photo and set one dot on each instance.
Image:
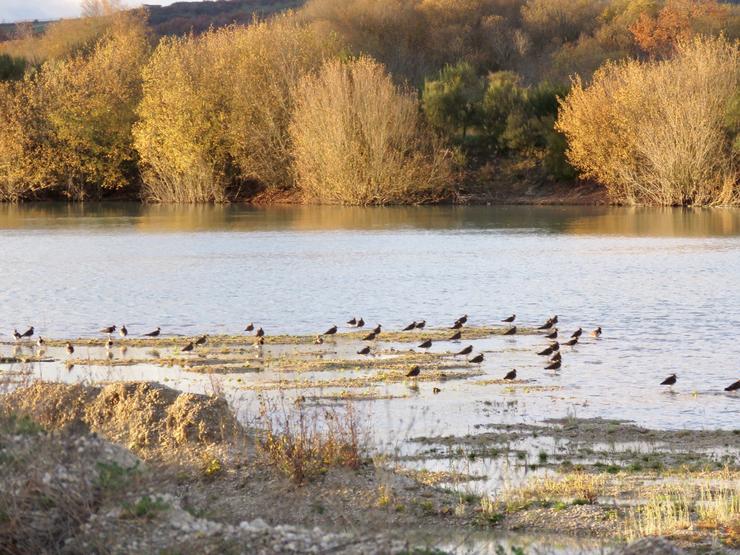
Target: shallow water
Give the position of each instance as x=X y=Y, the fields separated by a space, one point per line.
x=663 y=283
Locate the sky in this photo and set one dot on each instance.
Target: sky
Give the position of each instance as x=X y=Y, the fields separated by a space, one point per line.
x=24 y=10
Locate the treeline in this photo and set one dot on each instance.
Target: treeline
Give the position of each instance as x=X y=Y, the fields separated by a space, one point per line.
x=377 y=101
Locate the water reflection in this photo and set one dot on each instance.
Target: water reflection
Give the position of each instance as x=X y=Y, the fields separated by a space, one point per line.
x=595 y=220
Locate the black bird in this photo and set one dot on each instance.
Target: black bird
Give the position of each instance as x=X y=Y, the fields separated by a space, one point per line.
x=420 y=325
x=250 y=327
x=370 y=336
x=154 y=333
x=455 y=336
x=40 y=341
x=510 y=331
x=331 y=331
x=16 y=335
x=547 y=325
x=109 y=343
x=571 y=342
x=554 y=319
x=189 y=347
x=457 y=325
x=108 y=330
x=733 y=387
x=426 y=344
x=29 y=332
x=556 y=357
x=477 y=359
x=547 y=351
x=510 y=319
x=577 y=333
x=360 y=323
x=466 y=351
x=376 y=329
x=411 y=326
x=596 y=332
x=260 y=333
x=670 y=380
x=352 y=322
x=201 y=340
x=364 y=351
x=554 y=365
x=553 y=334
x=436 y=390
x=511 y=375
x=70 y=349
x=463 y=319
x=123 y=332
x=415 y=371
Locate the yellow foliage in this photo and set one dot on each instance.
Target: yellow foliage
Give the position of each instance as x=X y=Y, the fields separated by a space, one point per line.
x=653 y=132
x=359 y=139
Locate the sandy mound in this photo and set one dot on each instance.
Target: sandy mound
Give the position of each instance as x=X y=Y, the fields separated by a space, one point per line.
x=141 y=416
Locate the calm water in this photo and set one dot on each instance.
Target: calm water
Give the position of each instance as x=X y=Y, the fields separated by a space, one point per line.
x=663 y=283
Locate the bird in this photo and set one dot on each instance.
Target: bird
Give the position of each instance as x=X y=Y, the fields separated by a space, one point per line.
x=477 y=359
x=463 y=319
x=457 y=325
x=201 y=340
x=364 y=351
x=376 y=329
x=553 y=334
x=547 y=325
x=554 y=319
x=455 y=336
x=189 y=347
x=370 y=336
x=318 y=341
x=670 y=380
x=249 y=327
x=577 y=333
x=360 y=323
x=123 y=332
x=260 y=341
x=571 y=342
x=733 y=387
x=40 y=341
x=352 y=322
x=425 y=344
x=259 y=333
x=554 y=365
x=16 y=335
x=510 y=319
x=556 y=357
x=436 y=390
x=547 y=351
x=596 y=332
x=108 y=330
x=154 y=333
x=411 y=326
x=420 y=325
x=413 y=372
x=29 y=332
x=331 y=331
x=466 y=351
x=510 y=331
x=70 y=348
x=511 y=375
x=109 y=343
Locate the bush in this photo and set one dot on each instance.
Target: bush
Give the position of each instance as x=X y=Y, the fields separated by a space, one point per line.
x=655 y=132
x=216 y=109
x=452 y=101
x=11 y=69
x=359 y=139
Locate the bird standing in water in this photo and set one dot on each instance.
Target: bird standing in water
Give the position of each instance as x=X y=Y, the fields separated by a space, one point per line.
x=108 y=330
x=463 y=319
x=553 y=334
x=70 y=348
x=377 y=329
x=511 y=375
x=577 y=333
x=510 y=319
x=457 y=325
x=29 y=332
x=670 y=380
x=425 y=344
x=109 y=343
x=420 y=325
x=154 y=333
x=249 y=327
x=411 y=326
x=556 y=357
x=16 y=335
x=360 y=323
x=571 y=342
x=331 y=331
x=466 y=351
x=352 y=321
x=40 y=341
x=733 y=387
x=455 y=336
x=413 y=372
x=201 y=340
x=189 y=347
x=596 y=332
x=123 y=331
x=260 y=333
x=477 y=359
x=554 y=365
x=370 y=336
x=364 y=351
x=510 y=331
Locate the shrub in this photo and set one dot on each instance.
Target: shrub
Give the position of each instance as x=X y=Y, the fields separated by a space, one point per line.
x=11 y=68
x=452 y=101
x=654 y=132
x=359 y=139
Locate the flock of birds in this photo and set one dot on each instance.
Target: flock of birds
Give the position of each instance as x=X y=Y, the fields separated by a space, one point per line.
x=554 y=362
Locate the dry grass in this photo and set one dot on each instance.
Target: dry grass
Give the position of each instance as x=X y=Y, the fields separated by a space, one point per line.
x=359 y=139
x=653 y=132
x=578 y=487
x=303 y=443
